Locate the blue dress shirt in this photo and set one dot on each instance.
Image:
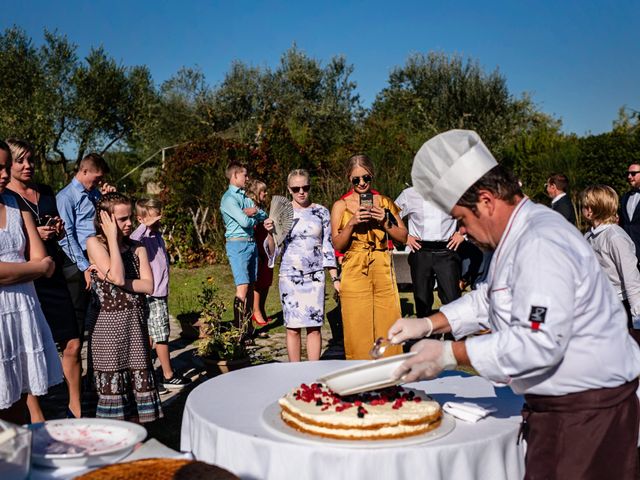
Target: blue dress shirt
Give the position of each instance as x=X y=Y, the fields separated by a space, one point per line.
x=77 y=208
x=237 y=223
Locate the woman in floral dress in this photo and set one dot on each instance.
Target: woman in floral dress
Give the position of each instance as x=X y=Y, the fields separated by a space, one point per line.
x=306 y=252
x=119 y=341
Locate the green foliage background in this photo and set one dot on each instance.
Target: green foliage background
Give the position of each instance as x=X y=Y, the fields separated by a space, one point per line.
x=302 y=113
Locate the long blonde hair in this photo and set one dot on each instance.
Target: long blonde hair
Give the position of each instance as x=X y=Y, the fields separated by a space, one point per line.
x=359 y=160
x=254 y=189
x=298 y=172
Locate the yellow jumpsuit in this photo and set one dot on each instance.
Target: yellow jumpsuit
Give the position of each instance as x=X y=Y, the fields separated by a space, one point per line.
x=368 y=291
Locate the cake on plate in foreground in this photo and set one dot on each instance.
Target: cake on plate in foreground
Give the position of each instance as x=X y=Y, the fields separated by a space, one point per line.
x=160 y=469
x=393 y=412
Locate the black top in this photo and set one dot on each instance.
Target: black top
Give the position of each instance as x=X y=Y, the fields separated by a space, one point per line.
x=53 y=293
x=630 y=225
x=564 y=207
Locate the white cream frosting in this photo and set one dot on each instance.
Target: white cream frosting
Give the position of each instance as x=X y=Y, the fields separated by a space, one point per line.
x=408 y=417
x=356 y=433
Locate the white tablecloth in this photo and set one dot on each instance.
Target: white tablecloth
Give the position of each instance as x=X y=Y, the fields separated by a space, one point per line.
x=222 y=425
x=150 y=449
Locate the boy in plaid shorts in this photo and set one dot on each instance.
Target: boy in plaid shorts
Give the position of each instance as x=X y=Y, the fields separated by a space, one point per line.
x=148 y=233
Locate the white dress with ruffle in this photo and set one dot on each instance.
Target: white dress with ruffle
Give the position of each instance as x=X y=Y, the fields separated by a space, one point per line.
x=29 y=361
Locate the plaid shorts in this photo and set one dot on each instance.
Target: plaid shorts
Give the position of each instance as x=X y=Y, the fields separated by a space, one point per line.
x=158 y=319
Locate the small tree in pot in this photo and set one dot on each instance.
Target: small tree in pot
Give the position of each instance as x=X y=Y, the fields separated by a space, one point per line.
x=221 y=343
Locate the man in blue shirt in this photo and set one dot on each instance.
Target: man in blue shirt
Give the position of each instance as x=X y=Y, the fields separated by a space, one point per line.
x=240 y=216
x=76 y=204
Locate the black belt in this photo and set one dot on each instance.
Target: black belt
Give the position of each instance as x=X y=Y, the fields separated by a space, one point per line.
x=434 y=245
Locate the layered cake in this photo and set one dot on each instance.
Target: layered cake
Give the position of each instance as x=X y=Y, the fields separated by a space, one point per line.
x=393 y=412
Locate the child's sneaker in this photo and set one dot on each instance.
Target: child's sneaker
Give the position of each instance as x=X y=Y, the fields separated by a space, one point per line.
x=177 y=382
x=161 y=389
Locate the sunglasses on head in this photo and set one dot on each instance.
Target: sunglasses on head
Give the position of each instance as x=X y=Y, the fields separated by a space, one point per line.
x=632 y=173
x=304 y=188
x=365 y=179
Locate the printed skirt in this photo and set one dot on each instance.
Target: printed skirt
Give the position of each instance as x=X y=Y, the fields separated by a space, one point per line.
x=302 y=298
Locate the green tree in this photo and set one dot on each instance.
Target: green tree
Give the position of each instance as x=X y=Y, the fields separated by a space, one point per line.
x=62 y=104
x=433 y=93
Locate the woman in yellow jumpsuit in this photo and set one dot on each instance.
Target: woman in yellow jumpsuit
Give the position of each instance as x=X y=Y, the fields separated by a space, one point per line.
x=368 y=291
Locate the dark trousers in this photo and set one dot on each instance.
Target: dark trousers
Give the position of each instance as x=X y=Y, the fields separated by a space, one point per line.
x=79 y=294
x=426 y=266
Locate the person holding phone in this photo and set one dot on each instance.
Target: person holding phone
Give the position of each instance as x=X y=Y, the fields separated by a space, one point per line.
x=40 y=202
x=362 y=224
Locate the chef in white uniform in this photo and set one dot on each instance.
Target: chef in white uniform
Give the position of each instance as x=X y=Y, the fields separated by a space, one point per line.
x=558 y=332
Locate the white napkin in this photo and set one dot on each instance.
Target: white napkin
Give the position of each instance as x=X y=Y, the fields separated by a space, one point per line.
x=467 y=411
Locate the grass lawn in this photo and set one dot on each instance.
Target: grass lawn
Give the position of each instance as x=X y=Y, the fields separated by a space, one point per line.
x=186 y=284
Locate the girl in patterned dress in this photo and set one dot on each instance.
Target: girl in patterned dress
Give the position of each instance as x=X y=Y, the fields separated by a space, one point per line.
x=306 y=252
x=119 y=347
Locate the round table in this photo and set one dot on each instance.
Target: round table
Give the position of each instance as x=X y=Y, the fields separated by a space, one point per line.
x=223 y=425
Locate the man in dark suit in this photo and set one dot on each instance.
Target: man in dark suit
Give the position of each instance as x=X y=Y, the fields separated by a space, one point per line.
x=629 y=213
x=557 y=187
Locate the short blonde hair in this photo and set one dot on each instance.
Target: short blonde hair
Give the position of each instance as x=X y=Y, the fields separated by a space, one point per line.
x=603 y=202
x=145 y=205
x=233 y=168
x=19 y=148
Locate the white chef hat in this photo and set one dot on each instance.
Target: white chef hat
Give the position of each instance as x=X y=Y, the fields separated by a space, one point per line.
x=447 y=165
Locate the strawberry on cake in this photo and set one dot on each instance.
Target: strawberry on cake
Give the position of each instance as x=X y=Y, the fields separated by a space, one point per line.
x=393 y=412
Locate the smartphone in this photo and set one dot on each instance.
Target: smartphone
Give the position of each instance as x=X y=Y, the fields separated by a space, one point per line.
x=366 y=200
x=51 y=222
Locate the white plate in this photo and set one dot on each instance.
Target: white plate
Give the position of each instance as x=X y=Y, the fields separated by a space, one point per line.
x=273 y=422
x=84 y=442
x=371 y=375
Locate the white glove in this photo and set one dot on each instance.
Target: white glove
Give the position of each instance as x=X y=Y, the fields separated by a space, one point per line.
x=407 y=328
x=433 y=357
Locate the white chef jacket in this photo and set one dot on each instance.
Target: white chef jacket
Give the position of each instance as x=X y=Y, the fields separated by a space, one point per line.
x=427 y=222
x=557 y=324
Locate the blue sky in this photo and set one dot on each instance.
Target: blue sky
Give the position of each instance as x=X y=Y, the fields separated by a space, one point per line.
x=578 y=59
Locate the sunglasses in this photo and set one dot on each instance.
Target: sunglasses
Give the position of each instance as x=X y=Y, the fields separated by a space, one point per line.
x=304 y=188
x=365 y=179
x=633 y=174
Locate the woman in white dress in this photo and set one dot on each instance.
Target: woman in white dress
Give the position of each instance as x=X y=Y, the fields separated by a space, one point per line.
x=29 y=360
x=306 y=252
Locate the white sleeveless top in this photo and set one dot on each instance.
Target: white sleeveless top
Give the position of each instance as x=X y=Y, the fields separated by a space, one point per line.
x=29 y=361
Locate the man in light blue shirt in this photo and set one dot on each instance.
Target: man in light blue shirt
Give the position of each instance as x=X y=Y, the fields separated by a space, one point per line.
x=76 y=204
x=240 y=216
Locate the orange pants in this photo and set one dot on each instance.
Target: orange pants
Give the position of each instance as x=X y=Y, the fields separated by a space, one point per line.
x=369 y=301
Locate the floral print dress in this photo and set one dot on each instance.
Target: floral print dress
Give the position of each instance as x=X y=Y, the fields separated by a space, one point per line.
x=119 y=355
x=306 y=252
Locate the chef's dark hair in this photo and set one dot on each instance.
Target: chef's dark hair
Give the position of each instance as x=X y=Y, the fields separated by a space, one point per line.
x=499 y=181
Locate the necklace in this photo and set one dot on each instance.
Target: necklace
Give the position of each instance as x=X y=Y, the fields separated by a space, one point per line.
x=35 y=211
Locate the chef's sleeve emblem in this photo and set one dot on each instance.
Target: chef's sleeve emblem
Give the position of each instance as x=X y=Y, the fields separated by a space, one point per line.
x=537 y=316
